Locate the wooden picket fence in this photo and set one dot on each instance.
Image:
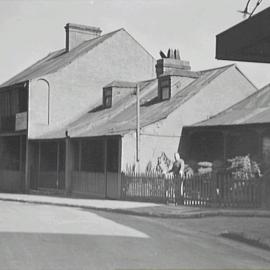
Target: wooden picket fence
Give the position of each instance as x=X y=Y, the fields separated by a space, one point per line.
x=150 y=187
x=210 y=190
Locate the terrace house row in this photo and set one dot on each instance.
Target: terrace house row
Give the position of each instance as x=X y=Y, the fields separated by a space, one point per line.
x=68 y=122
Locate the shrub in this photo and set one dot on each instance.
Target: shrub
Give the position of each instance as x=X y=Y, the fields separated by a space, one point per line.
x=242 y=167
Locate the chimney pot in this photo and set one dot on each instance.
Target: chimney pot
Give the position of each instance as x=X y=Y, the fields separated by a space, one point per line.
x=171 y=64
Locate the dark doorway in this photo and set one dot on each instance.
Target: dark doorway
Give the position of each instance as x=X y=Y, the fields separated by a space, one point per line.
x=48 y=166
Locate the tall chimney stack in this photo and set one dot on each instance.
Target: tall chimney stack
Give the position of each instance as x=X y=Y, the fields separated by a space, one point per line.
x=76 y=34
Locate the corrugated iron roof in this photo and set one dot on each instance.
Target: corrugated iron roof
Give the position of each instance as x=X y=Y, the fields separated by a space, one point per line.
x=121 y=117
x=57 y=60
x=255 y=109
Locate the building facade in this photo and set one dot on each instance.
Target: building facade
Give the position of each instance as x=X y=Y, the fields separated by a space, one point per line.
x=99 y=107
x=54 y=92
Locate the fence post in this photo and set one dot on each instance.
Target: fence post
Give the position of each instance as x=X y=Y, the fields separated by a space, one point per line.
x=264 y=189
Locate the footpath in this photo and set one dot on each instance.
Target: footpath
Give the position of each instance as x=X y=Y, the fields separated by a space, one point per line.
x=135 y=208
x=250 y=226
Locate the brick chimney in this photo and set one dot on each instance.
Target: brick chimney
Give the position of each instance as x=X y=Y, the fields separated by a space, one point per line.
x=169 y=69
x=76 y=34
x=171 y=64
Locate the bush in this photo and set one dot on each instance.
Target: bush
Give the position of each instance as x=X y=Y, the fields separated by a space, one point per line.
x=242 y=167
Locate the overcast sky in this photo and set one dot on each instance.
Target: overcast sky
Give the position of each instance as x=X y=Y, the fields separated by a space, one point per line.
x=31 y=29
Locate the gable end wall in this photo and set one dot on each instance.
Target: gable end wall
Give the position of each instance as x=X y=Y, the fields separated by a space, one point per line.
x=77 y=88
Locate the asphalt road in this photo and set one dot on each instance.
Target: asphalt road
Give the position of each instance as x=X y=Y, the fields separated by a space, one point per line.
x=51 y=237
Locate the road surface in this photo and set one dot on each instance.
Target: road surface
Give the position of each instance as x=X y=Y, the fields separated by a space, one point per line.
x=52 y=237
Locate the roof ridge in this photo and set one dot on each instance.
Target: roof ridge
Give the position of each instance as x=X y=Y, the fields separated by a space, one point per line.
x=138 y=43
x=267 y=85
x=217 y=68
x=26 y=74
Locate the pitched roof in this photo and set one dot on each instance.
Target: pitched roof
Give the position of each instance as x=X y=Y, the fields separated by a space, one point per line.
x=255 y=109
x=57 y=60
x=121 y=117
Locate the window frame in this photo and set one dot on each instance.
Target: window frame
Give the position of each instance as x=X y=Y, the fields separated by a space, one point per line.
x=107 y=96
x=164 y=84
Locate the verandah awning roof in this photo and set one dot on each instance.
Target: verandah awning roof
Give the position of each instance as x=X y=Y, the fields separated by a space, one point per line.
x=247 y=41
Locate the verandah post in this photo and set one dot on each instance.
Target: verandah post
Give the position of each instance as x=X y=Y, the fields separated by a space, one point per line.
x=105 y=149
x=68 y=166
x=27 y=167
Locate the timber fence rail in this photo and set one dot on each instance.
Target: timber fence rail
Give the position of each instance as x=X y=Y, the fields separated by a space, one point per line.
x=208 y=190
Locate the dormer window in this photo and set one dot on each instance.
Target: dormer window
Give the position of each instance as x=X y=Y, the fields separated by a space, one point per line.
x=107 y=97
x=164 y=88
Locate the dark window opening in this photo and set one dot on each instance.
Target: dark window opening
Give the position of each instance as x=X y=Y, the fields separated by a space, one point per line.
x=164 y=88
x=107 y=97
x=92 y=156
x=12 y=102
x=112 y=155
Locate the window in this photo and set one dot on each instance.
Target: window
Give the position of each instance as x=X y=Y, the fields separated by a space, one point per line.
x=165 y=93
x=107 y=97
x=12 y=101
x=164 y=86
